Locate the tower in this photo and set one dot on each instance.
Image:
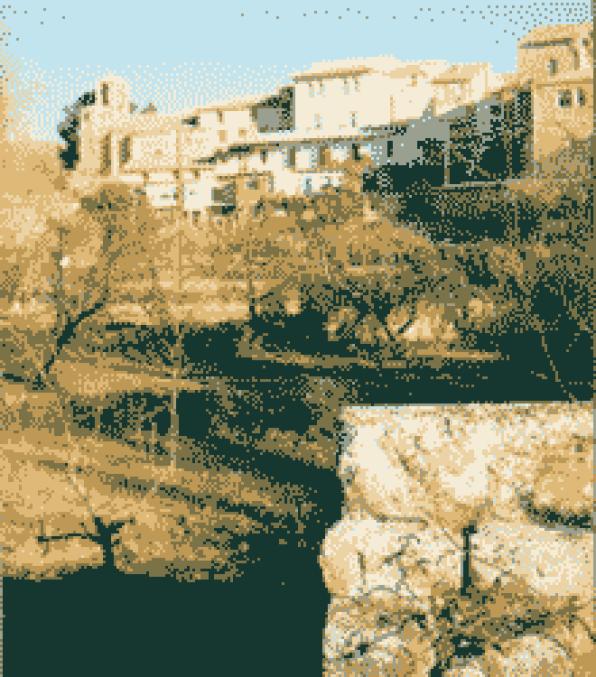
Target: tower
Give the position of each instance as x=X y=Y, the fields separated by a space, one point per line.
x=99 y=126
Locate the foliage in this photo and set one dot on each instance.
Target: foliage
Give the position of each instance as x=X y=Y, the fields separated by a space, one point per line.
x=104 y=251
x=70 y=127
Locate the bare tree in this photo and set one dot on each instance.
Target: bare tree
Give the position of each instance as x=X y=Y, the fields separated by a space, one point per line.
x=105 y=252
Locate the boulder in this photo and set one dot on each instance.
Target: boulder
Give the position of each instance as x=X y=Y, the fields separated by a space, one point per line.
x=554 y=566
x=430 y=326
x=529 y=656
x=472 y=669
x=396 y=321
x=374 y=478
x=361 y=556
x=503 y=489
x=375 y=635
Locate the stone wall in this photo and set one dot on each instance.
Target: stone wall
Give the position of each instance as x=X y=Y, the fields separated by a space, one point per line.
x=465 y=544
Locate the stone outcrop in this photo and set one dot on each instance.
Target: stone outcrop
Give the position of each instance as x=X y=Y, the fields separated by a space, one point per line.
x=465 y=545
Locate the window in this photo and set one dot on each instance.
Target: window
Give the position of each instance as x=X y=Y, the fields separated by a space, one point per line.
x=222 y=135
x=576 y=59
x=346 y=86
x=414 y=79
x=580 y=97
x=565 y=98
x=291 y=157
x=193 y=121
x=321 y=88
x=242 y=133
x=311 y=89
x=355 y=151
x=317 y=121
x=220 y=117
x=553 y=67
x=264 y=156
x=105 y=94
x=390 y=148
x=323 y=156
x=356 y=84
x=353 y=119
x=125 y=150
x=105 y=153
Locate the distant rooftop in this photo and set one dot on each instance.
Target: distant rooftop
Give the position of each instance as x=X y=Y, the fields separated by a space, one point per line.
x=461 y=72
x=415 y=67
x=236 y=103
x=356 y=66
x=555 y=32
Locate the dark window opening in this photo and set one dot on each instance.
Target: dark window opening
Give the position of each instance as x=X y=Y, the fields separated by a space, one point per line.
x=291 y=157
x=125 y=150
x=565 y=98
x=106 y=159
x=580 y=97
x=324 y=156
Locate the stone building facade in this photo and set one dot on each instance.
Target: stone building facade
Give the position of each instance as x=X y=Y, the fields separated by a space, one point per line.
x=301 y=138
x=557 y=63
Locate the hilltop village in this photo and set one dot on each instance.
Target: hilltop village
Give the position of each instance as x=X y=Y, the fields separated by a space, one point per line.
x=450 y=124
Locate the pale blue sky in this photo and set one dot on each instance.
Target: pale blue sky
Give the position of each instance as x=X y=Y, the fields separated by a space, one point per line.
x=179 y=53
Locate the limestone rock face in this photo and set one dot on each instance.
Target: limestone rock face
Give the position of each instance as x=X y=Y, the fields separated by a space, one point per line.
x=556 y=566
x=529 y=656
x=471 y=670
x=464 y=546
x=415 y=563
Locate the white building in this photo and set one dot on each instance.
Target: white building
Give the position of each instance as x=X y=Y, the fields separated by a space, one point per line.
x=293 y=141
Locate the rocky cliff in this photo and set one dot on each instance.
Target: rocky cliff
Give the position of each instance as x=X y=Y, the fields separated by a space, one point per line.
x=465 y=544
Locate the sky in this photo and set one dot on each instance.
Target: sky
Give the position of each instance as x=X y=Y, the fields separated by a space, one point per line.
x=178 y=53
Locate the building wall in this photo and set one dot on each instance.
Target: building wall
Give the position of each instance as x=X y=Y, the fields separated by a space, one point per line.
x=340 y=104
x=534 y=61
x=570 y=46
x=99 y=119
x=451 y=95
x=386 y=108
x=555 y=127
